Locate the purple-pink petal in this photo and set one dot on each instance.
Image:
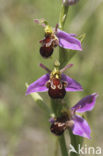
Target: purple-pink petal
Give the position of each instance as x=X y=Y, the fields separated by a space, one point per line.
x=85 y=104
x=68 y=41
x=81 y=127
x=72 y=85
x=38 y=85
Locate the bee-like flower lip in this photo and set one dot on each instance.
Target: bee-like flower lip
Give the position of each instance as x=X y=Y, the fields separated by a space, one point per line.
x=59 y=124
x=48 y=44
x=56 y=88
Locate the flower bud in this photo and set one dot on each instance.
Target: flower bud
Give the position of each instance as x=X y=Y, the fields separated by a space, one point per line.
x=69 y=2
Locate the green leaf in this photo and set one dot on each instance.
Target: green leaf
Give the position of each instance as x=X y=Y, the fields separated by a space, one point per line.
x=39 y=100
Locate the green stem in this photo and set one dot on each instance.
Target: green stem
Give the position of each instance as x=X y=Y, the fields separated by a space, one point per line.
x=57 y=106
x=63 y=59
x=63 y=16
x=56 y=148
x=63 y=147
x=75 y=141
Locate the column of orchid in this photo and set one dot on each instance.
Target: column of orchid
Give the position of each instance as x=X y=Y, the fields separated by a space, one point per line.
x=56 y=83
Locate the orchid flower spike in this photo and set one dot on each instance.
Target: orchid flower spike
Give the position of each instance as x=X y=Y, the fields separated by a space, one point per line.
x=55 y=37
x=55 y=82
x=76 y=123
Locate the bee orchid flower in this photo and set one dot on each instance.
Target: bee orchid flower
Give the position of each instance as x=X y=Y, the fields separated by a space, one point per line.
x=71 y=120
x=55 y=82
x=55 y=37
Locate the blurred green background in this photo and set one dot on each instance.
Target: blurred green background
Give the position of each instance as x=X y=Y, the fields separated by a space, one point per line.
x=24 y=128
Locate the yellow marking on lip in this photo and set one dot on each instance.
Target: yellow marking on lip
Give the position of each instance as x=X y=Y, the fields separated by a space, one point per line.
x=55 y=74
x=48 y=30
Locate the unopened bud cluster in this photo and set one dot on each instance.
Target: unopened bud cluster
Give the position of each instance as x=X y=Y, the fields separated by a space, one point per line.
x=69 y=2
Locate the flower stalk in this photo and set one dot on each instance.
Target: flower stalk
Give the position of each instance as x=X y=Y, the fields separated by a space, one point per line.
x=75 y=140
x=63 y=147
x=57 y=104
x=63 y=59
x=62 y=19
x=63 y=16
